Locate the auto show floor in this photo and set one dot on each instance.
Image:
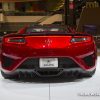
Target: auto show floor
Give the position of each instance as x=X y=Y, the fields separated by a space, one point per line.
x=54 y=89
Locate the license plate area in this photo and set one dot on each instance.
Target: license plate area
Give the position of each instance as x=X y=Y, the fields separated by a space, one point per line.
x=48 y=62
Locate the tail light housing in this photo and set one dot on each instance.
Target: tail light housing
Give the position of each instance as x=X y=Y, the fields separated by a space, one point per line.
x=14 y=40
x=81 y=39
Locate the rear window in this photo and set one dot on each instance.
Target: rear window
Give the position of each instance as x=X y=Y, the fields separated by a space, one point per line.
x=45 y=29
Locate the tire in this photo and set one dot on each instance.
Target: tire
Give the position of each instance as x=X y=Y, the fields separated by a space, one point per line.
x=7 y=76
x=17 y=76
x=90 y=74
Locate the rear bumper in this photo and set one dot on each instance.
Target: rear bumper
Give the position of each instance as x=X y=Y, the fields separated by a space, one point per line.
x=84 y=62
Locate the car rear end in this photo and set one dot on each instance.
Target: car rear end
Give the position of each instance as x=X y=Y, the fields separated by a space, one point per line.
x=48 y=54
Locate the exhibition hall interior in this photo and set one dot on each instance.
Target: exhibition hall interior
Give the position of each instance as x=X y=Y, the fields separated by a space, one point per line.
x=49 y=49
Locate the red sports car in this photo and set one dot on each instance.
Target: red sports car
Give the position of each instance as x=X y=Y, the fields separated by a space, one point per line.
x=47 y=51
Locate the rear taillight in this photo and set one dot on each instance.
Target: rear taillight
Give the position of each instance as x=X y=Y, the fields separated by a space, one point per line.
x=78 y=39
x=14 y=40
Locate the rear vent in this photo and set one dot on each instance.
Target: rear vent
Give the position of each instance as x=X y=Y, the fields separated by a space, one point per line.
x=89 y=60
x=67 y=63
x=29 y=64
x=6 y=61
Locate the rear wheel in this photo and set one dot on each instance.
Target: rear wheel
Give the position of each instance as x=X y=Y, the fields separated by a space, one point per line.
x=7 y=76
x=18 y=75
x=90 y=74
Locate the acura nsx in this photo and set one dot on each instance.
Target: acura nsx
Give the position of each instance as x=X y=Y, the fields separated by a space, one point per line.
x=47 y=51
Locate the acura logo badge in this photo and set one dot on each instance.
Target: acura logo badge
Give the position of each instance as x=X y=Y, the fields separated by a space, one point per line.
x=48 y=42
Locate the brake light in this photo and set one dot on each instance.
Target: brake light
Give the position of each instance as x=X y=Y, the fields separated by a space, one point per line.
x=78 y=39
x=15 y=40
